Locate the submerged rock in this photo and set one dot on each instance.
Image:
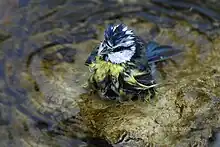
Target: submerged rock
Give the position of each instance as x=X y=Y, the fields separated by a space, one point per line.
x=185 y=112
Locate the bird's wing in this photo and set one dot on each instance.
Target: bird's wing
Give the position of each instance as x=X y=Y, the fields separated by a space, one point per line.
x=145 y=80
x=92 y=56
x=137 y=79
x=156 y=53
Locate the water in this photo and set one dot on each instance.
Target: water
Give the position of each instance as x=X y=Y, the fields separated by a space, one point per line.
x=43 y=49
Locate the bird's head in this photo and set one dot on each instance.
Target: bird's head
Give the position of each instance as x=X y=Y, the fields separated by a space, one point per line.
x=119 y=44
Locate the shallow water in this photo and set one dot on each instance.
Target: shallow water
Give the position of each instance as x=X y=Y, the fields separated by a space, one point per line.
x=42 y=70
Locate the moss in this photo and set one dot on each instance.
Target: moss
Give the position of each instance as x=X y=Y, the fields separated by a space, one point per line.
x=3 y=36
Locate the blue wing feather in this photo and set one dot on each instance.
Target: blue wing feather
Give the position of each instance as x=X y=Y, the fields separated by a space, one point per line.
x=156 y=53
x=92 y=57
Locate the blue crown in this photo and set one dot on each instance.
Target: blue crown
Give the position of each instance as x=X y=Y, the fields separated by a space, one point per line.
x=115 y=34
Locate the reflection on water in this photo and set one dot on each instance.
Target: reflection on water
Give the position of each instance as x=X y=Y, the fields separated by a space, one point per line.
x=43 y=49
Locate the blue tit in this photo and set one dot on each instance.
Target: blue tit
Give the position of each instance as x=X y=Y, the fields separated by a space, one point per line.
x=122 y=64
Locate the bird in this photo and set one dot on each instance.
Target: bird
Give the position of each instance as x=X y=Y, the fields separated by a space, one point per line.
x=123 y=65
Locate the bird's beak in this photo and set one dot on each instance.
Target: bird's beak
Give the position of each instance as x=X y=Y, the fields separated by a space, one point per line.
x=104 y=52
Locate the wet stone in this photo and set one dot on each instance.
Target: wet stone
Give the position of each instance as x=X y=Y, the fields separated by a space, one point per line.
x=62 y=55
x=4 y=115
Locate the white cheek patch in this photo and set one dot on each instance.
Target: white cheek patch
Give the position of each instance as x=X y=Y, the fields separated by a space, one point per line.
x=121 y=57
x=133 y=48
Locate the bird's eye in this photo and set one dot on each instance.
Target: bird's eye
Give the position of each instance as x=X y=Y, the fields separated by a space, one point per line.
x=119 y=49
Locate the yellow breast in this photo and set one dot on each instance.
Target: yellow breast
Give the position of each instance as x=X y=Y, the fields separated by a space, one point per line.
x=104 y=68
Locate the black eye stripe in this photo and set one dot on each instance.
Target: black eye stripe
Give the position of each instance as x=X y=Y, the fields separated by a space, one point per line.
x=122 y=48
x=118 y=49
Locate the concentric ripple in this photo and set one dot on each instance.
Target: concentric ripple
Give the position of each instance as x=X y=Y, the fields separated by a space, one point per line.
x=44 y=47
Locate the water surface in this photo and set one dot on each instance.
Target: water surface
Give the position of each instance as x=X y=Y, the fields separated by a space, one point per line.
x=43 y=48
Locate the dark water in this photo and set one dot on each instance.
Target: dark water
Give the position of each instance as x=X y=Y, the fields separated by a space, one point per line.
x=43 y=50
